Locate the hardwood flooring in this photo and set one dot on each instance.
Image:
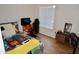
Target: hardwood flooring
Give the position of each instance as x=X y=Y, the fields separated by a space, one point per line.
x=51 y=46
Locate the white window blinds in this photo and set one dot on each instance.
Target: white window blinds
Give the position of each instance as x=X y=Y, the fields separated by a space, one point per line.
x=46 y=16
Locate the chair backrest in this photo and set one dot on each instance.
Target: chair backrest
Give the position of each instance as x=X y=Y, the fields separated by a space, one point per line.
x=74 y=39
x=36 y=26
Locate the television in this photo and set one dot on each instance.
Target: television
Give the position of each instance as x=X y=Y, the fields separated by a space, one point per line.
x=25 y=21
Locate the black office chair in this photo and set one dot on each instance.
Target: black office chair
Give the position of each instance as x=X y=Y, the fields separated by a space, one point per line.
x=74 y=41
x=36 y=26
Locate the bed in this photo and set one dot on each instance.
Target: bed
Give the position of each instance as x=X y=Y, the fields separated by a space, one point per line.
x=32 y=45
x=25 y=48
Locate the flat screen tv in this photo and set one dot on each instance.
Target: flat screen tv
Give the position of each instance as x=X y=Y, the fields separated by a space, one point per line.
x=25 y=21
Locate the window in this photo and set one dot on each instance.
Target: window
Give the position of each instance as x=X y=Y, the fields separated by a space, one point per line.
x=46 y=16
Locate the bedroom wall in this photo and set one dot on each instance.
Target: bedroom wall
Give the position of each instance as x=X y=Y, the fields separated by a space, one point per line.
x=11 y=13
x=67 y=13
x=63 y=14
x=15 y=12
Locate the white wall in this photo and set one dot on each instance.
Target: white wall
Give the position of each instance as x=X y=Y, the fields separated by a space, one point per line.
x=9 y=13
x=63 y=14
x=67 y=13
x=15 y=12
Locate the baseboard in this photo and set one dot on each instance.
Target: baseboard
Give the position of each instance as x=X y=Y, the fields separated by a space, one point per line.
x=46 y=35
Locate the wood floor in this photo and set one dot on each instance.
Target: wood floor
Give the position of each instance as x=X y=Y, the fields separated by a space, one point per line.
x=51 y=46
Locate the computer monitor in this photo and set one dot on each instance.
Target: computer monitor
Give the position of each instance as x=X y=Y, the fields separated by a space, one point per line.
x=25 y=21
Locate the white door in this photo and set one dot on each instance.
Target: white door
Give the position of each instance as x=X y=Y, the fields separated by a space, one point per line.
x=2 y=50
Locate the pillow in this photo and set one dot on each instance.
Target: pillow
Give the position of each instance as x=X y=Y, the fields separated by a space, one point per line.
x=9 y=30
x=13 y=43
x=18 y=37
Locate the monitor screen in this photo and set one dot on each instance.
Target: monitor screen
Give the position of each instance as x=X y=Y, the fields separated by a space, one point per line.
x=25 y=21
